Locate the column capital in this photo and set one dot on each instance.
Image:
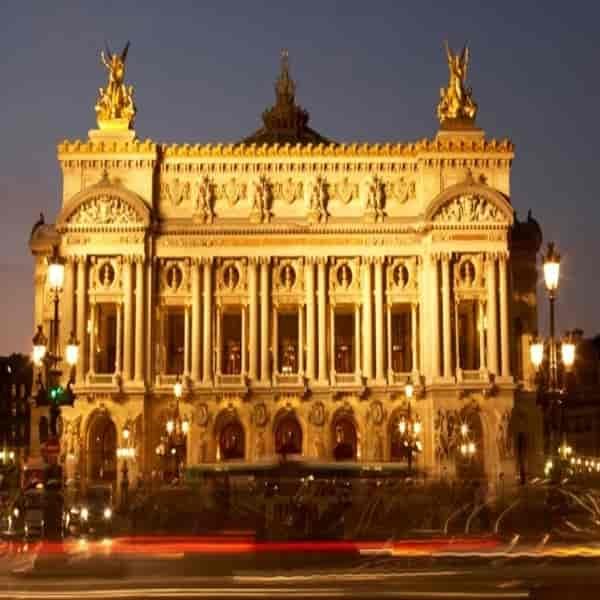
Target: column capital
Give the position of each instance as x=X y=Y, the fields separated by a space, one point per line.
x=322 y=260
x=446 y=257
x=207 y=261
x=80 y=259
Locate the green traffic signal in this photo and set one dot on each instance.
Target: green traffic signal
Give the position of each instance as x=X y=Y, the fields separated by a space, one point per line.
x=56 y=394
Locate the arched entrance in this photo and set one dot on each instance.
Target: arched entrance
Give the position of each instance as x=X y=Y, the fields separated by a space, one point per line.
x=102 y=449
x=232 y=441
x=345 y=439
x=404 y=437
x=470 y=449
x=288 y=435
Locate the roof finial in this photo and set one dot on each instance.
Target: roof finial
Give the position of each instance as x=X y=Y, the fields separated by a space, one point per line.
x=285 y=87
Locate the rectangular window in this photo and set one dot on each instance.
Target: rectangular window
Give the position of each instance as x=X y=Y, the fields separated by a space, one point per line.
x=401 y=339
x=344 y=343
x=106 y=338
x=288 y=343
x=232 y=343
x=468 y=335
x=175 y=336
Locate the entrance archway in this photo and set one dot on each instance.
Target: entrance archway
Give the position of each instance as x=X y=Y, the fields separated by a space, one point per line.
x=102 y=449
x=288 y=435
x=232 y=441
x=345 y=439
x=470 y=466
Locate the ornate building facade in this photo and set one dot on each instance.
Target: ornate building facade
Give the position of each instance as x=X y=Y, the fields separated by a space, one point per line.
x=309 y=295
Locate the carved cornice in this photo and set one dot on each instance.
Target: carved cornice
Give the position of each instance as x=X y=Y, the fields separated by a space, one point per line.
x=106 y=147
x=503 y=146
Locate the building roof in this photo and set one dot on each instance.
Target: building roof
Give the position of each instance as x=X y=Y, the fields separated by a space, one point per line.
x=285 y=122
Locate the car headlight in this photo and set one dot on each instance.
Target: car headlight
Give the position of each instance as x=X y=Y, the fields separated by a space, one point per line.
x=74 y=511
x=107 y=513
x=16 y=512
x=84 y=514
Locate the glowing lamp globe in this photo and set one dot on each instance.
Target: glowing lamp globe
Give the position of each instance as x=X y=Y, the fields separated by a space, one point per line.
x=40 y=346
x=72 y=351
x=536 y=353
x=551 y=268
x=567 y=351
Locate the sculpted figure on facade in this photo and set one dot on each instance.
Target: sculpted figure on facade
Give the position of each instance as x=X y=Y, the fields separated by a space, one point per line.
x=105 y=210
x=316 y=198
x=204 y=201
x=456 y=102
x=115 y=108
x=259 y=200
x=373 y=199
x=505 y=436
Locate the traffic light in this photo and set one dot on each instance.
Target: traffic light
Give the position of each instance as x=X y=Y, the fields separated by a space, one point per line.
x=60 y=396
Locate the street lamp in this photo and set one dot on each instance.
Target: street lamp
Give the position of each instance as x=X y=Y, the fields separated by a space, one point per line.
x=410 y=429
x=177 y=428
x=550 y=389
x=47 y=356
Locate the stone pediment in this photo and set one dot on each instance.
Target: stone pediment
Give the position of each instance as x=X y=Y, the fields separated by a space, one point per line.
x=104 y=209
x=105 y=205
x=470 y=204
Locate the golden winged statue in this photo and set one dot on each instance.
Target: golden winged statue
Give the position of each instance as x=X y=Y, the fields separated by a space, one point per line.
x=115 y=109
x=456 y=102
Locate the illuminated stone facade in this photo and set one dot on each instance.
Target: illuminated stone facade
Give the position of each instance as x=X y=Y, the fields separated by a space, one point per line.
x=296 y=286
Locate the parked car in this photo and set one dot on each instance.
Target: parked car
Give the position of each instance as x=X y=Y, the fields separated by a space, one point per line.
x=93 y=515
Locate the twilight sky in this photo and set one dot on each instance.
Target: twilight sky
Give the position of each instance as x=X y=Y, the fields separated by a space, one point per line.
x=366 y=71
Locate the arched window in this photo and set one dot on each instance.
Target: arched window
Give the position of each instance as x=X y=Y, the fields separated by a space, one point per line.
x=344 y=438
x=232 y=441
x=288 y=436
x=103 y=449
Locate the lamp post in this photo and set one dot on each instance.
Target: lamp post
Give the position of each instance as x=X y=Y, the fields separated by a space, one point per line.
x=545 y=352
x=125 y=452
x=410 y=429
x=47 y=356
x=176 y=431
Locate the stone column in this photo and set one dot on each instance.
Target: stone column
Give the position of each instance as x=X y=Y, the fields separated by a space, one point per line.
x=81 y=318
x=139 y=319
x=357 y=366
x=389 y=340
x=309 y=274
x=322 y=318
x=367 y=319
x=244 y=358
x=301 y=339
x=275 y=341
x=207 y=344
x=379 y=347
x=118 y=354
x=492 y=310
x=196 y=302
x=446 y=316
x=434 y=292
x=93 y=325
x=127 y=319
x=265 y=363
x=68 y=309
x=504 y=328
x=186 y=342
x=219 y=344
x=480 y=317
x=414 y=338
x=332 y=342
x=253 y=324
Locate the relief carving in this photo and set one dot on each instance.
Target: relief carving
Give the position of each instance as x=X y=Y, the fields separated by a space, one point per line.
x=346 y=191
x=468 y=208
x=259 y=200
x=289 y=191
x=402 y=190
x=176 y=191
x=105 y=210
x=232 y=191
x=373 y=199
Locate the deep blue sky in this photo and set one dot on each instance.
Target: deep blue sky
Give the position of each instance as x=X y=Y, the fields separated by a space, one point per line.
x=365 y=71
